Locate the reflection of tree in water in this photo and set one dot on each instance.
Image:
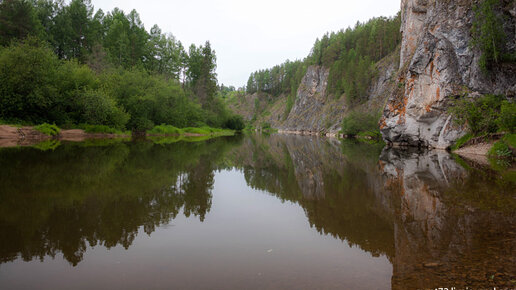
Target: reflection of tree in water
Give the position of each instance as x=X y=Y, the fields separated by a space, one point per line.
x=347 y=209
x=438 y=223
x=76 y=196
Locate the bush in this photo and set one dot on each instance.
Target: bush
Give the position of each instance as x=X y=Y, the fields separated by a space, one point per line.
x=357 y=122
x=141 y=124
x=28 y=86
x=500 y=150
x=235 y=122
x=484 y=115
x=47 y=129
x=97 y=108
x=165 y=130
x=507 y=119
x=510 y=139
x=266 y=126
x=201 y=131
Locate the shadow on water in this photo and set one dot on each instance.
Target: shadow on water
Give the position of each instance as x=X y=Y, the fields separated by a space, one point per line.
x=440 y=222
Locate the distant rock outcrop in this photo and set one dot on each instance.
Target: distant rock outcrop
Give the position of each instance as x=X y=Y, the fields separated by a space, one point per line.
x=438 y=64
x=314 y=110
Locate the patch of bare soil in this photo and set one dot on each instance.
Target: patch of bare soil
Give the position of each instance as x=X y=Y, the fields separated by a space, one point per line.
x=8 y=132
x=476 y=152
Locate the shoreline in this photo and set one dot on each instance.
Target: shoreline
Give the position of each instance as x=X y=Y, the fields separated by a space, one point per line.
x=12 y=136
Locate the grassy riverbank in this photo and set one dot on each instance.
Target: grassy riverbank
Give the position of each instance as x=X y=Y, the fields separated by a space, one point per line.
x=13 y=135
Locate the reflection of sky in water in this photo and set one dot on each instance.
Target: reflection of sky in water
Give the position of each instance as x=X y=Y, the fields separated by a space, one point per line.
x=299 y=212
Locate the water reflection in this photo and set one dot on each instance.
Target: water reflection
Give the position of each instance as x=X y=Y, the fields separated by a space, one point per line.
x=440 y=222
x=80 y=195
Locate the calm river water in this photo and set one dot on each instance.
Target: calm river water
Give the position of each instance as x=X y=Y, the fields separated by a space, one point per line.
x=252 y=212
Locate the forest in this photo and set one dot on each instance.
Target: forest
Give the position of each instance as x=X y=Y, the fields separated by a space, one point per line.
x=68 y=64
x=350 y=54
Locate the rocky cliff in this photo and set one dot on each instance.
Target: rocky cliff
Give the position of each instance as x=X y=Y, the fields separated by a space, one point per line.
x=314 y=110
x=438 y=63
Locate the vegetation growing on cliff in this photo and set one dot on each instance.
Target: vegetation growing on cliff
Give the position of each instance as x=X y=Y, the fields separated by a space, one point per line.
x=361 y=124
x=487 y=114
x=488 y=34
x=349 y=54
x=66 y=64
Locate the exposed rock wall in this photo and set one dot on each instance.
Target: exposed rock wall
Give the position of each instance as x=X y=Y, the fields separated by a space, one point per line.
x=315 y=111
x=438 y=63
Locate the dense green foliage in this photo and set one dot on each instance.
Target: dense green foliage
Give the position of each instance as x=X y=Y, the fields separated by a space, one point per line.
x=62 y=63
x=500 y=150
x=359 y=122
x=165 y=130
x=349 y=54
x=173 y=131
x=47 y=129
x=488 y=33
x=235 y=123
x=487 y=114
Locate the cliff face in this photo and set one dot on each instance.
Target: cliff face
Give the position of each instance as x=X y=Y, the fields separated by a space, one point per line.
x=438 y=63
x=314 y=111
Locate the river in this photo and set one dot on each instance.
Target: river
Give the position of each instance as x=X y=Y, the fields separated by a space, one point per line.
x=252 y=212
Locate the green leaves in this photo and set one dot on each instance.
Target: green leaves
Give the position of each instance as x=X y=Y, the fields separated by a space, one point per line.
x=487 y=114
x=360 y=122
x=487 y=33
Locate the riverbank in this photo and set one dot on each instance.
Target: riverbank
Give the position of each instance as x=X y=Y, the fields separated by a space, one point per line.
x=11 y=135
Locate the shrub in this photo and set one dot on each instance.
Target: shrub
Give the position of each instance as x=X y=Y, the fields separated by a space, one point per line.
x=507 y=119
x=166 y=130
x=235 y=122
x=97 y=108
x=28 y=74
x=266 y=126
x=192 y=130
x=357 y=122
x=482 y=115
x=500 y=150
x=141 y=124
x=47 y=129
x=510 y=139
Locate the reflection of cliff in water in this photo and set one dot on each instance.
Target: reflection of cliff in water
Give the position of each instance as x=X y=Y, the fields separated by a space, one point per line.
x=63 y=201
x=440 y=224
x=454 y=227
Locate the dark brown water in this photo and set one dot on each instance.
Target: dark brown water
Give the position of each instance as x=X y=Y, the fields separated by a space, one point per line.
x=255 y=212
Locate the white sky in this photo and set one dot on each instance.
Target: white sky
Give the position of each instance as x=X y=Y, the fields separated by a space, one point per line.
x=252 y=35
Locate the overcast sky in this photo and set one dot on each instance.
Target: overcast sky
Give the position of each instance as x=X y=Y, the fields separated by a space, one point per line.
x=252 y=35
